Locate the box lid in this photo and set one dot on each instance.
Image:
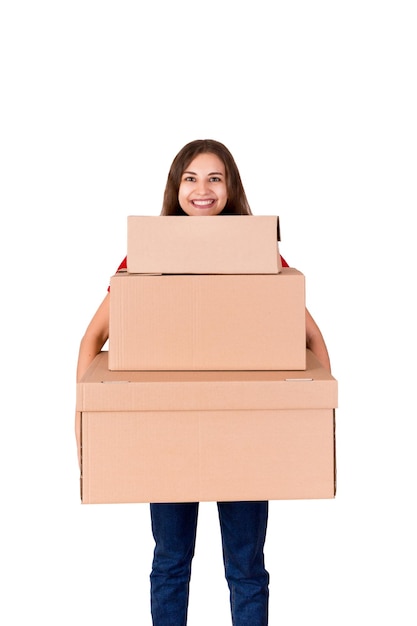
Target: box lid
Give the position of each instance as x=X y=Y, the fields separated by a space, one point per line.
x=103 y=390
x=234 y=244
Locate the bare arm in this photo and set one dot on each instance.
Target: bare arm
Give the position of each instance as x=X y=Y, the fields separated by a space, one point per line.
x=91 y=344
x=94 y=337
x=315 y=341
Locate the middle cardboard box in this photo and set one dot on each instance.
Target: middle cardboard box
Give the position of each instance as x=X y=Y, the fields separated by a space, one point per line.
x=208 y=322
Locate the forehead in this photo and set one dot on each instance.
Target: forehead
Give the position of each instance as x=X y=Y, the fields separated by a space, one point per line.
x=206 y=162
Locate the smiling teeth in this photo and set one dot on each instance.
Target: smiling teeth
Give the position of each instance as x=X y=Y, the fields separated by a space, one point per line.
x=202 y=202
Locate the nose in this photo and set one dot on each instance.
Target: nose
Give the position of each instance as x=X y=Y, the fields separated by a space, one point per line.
x=202 y=187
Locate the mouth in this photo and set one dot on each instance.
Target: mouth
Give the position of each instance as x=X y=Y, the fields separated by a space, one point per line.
x=203 y=204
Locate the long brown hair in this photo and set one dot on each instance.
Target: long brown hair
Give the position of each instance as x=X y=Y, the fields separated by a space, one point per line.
x=237 y=203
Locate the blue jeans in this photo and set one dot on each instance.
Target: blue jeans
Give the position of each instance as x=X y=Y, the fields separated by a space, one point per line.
x=243 y=529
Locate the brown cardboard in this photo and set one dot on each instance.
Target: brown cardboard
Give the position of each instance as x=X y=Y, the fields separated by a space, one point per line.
x=234 y=244
x=206 y=436
x=104 y=390
x=208 y=322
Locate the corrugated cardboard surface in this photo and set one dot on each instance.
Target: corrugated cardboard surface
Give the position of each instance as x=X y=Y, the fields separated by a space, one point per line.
x=180 y=456
x=195 y=436
x=208 y=322
x=104 y=390
x=234 y=244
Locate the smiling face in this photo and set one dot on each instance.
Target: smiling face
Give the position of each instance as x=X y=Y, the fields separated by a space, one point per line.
x=203 y=189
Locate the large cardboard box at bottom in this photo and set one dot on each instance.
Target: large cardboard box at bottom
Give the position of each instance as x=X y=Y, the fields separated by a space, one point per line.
x=207 y=436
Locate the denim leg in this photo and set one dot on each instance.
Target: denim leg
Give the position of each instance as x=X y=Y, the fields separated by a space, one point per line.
x=243 y=527
x=174 y=529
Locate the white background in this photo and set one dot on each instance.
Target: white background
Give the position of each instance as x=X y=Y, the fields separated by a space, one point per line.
x=317 y=102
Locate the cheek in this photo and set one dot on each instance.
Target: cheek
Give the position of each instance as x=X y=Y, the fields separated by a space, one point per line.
x=182 y=196
x=183 y=190
x=225 y=195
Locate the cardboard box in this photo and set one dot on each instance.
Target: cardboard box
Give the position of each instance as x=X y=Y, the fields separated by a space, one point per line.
x=206 y=436
x=234 y=244
x=208 y=322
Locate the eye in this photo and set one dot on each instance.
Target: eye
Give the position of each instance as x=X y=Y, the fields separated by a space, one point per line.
x=215 y=179
x=189 y=179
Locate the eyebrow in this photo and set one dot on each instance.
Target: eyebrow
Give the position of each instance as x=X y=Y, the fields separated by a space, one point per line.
x=210 y=173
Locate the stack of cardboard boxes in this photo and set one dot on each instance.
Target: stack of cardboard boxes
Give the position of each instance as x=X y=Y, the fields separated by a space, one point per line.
x=207 y=391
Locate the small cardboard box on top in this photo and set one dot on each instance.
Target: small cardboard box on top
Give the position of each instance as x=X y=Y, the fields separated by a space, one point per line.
x=208 y=322
x=236 y=244
x=207 y=436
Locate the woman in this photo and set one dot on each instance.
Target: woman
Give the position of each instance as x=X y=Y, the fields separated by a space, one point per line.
x=203 y=180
